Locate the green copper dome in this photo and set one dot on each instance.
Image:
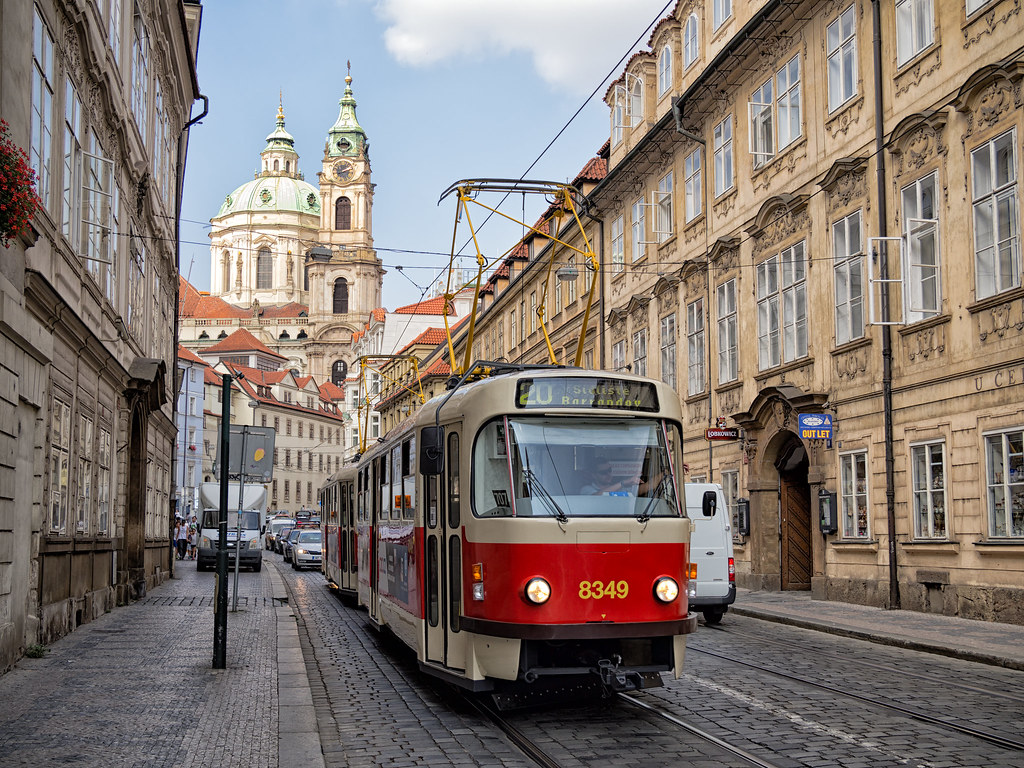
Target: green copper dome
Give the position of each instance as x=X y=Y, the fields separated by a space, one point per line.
x=279 y=187
x=271 y=194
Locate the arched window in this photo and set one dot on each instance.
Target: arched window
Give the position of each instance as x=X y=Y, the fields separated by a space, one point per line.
x=287 y=166
x=226 y=282
x=691 y=43
x=636 y=102
x=305 y=277
x=341 y=296
x=277 y=165
x=339 y=372
x=343 y=213
x=664 y=70
x=264 y=270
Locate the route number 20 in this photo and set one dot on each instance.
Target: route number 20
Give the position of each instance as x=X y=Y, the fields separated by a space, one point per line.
x=595 y=590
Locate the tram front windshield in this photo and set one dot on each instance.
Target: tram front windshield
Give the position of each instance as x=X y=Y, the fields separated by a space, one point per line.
x=576 y=467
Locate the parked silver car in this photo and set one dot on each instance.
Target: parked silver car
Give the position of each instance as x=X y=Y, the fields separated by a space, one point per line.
x=307 y=550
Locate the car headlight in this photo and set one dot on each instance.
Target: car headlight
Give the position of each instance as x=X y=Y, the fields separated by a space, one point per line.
x=254 y=544
x=666 y=589
x=204 y=542
x=537 y=590
x=300 y=551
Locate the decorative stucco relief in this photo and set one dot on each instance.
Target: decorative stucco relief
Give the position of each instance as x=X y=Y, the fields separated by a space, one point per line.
x=913 y=76
x=694 y=232
x=926 y=343
x=729 y=401
x=845 y=119
x=919 y=147
x=992 y=105
x=851 y=365
x=988 y=22
x=781 y=229
x=781 y=166
x=697 y=412
x=724 y=205
x=1001 y=320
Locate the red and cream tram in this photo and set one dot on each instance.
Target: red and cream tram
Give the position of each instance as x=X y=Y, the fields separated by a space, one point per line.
x=338 y=522
x=529 y=527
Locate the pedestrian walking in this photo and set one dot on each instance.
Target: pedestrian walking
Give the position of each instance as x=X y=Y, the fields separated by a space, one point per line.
x=181 y=537
x=193 y=540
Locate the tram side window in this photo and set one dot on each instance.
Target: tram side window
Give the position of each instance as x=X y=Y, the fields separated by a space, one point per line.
x=408 y=478
x=384 y=492
x=396 y=482
x=492 y=485
x=454 y=486
x=351 y=492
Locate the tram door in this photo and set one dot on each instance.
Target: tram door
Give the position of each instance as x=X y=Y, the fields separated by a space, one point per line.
x=445 y=643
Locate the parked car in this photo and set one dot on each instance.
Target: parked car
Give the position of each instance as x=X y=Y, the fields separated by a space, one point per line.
x=274 y=527
x=286 y=547
x=307 y=549
x=281 y=538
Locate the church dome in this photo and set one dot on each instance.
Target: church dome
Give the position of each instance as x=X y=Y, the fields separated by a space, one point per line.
x=273 y=194
x=279 y=187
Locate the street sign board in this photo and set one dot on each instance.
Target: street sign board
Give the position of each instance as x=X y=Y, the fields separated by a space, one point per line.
x=815 y=426
x=722 y=433
x=259 y=453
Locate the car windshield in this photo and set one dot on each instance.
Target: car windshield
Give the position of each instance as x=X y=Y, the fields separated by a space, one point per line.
x=279 y=525
x=294 y=534
x=309 y=537
x=576 y=467
x=250 y=519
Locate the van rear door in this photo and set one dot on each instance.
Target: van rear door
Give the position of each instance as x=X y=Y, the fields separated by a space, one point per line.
x=710 y=544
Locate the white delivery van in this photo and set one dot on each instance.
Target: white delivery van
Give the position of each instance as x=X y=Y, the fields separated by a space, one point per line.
x=711 y=551
x=245 y=532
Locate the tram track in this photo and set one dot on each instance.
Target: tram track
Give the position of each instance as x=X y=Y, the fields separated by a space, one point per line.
x=981 y=735
x=943 y=682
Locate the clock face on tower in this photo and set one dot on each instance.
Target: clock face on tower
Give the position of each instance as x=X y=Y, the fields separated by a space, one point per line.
x=343 y=170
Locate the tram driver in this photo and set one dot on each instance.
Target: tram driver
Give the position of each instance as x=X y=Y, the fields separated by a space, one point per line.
x=601 y=481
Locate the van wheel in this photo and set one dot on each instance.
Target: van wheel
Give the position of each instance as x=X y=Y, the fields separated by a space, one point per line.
x=258 y=567
x=713 y=616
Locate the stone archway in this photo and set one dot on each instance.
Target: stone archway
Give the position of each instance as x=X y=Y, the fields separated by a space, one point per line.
x=781 y=544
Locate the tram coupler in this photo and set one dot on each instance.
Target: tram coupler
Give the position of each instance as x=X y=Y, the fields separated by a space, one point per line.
x=615 y=678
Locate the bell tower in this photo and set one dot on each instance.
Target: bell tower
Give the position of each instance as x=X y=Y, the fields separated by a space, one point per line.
x=350 y=279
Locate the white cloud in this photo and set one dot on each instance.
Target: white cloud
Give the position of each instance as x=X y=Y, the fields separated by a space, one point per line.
x=573 y=43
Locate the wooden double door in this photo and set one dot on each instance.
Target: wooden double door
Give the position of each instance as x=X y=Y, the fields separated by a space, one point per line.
x=795 y=512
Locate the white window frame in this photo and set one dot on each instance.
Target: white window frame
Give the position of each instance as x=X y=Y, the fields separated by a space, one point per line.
x=849 y=278
x=533 y=312
x=723 y=156
x=140 y=74
x=731 y=491
x=997 y=259
x=71 y=168
x=976 y=5
x=915 y=28
x=922 y=262
x=664 y=69
x=1004 y=478
x=60 y=464
x=776 y=113
x=619 y=355
x=618 y=114
x=640 y=352
x=695 y=346
x=663 y=208
x=782 y=308
x=41 y=141
x=639 y=230
x=86 y=451
x=103 y=457
x=668 y=349
x=691 y=41
x=570 y=285
x=97 y=211
x=928 y=489
x=136 y=284
x=722 y=12
x=114 y=28
x=618 y=246
x=693 y=173
x=854 y=496
x=841 y=58
x=728 y=332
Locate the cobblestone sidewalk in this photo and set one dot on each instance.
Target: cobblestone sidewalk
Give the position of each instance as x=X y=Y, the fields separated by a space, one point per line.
x=135 y=687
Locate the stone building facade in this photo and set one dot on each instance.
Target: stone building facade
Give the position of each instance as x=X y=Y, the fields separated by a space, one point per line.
x=100 y=96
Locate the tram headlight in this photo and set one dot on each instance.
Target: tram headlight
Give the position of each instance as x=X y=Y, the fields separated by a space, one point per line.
x=537 y=590
x=666 y=589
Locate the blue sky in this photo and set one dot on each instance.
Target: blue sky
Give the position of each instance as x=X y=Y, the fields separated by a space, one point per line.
x=446 y=90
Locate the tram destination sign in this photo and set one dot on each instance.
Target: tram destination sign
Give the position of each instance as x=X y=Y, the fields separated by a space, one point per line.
x=580 y=392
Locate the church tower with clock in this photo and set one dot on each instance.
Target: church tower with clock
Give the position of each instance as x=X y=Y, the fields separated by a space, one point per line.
x=297 y=260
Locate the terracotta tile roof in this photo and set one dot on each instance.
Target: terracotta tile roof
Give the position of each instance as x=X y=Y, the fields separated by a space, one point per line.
x=380 y=314
x=192 y=357
x=668 y=20
x=502 y=271
x=440 y=367
x=331 y=391
x=435 y=306
x=194 y=304
x=292 y=309
x=210 y=376
x=595 y=170
x=241 y=341
x=431 y=336
x=302 y=381
x=605 y=149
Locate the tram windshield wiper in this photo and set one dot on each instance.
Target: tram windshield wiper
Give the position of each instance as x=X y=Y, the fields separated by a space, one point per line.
x=536 y=485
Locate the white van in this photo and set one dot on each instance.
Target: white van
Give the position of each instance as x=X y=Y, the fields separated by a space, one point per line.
x=711 y=551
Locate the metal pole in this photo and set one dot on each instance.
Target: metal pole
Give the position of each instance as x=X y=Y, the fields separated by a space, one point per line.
x=220 y=614
x=883 y=273
x=238 y=521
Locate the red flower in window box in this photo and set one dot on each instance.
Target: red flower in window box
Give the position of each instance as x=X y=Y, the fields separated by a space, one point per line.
x=18 y=198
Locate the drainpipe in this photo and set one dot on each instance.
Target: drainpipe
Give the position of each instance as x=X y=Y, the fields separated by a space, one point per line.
x=883 y=273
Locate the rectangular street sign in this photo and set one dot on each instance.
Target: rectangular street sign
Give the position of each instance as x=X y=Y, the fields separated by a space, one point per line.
x=259 y=453
x=815 y=426
x=722 y=433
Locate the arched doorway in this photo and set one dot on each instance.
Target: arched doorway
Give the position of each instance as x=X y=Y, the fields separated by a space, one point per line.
x=795 y=557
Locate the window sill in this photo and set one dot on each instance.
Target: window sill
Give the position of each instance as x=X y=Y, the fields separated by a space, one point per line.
x=736 y=383
x=849 y=346
x=855 y=100
x=871 y=544
x=993 y=545
x=664 y=244
x=925 y=324
x=775 y=163
x=784 y=368
x=1010 y=294
x=931 y=545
